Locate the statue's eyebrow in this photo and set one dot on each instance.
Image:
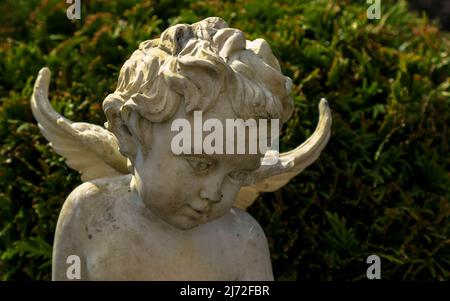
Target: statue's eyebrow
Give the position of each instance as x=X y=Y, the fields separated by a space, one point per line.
x=256 y=165
x=244 y=162
x=248 y=163
x=202 y=157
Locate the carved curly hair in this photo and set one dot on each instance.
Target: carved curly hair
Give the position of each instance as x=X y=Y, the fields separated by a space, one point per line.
x=200 y=64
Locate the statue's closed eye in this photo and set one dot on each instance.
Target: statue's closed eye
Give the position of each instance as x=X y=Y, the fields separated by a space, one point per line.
x=198 y=164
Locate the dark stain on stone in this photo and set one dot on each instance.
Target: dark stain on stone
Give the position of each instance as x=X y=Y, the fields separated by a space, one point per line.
x=90 y=236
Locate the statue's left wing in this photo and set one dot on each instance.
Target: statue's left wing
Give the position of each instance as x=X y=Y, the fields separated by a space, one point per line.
x=88 y=148
x=269 y=178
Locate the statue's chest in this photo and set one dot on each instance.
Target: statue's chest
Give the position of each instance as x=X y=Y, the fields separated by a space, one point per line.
x=130 y=256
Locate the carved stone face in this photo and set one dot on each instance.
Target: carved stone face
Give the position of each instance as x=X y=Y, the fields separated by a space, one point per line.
x=188 y=190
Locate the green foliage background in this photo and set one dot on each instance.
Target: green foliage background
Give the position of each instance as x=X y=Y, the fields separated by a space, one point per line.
x=380 y=187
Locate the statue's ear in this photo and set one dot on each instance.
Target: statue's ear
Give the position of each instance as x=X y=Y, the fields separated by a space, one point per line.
x=117 y=124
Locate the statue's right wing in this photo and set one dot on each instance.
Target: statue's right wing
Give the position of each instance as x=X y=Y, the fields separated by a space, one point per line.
x=88 y=148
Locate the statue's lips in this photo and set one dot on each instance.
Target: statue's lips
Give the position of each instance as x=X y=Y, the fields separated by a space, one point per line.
x=195 y=213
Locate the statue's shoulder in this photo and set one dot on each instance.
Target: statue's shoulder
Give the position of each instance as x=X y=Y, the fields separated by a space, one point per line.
x=244 y=225
x=87 y=211
x=97 y=193
x=250 y=246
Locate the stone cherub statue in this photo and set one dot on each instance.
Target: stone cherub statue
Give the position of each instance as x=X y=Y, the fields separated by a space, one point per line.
x=145 y=213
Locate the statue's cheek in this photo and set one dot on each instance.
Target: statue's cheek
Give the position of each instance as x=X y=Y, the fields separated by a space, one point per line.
x=230 y=189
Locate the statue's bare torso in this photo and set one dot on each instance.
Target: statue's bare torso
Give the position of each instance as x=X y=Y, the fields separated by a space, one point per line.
x=117 y=238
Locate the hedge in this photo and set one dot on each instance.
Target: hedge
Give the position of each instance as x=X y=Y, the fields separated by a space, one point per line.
x=381 y=186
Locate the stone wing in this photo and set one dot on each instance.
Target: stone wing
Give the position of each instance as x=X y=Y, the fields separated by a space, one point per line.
x=290 y=164
x=88 y=148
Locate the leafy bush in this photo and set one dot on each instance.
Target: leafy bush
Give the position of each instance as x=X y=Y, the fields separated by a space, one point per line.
x=380 y=187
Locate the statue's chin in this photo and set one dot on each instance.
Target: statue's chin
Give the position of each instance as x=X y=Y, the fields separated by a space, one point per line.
x=190 y=221
x=184 y=223
x=180 y=221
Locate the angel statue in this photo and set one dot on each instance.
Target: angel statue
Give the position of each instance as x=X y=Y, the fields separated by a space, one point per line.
x=147 y=213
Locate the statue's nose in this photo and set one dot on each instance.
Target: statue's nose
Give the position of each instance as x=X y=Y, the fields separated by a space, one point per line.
x=211 y=195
